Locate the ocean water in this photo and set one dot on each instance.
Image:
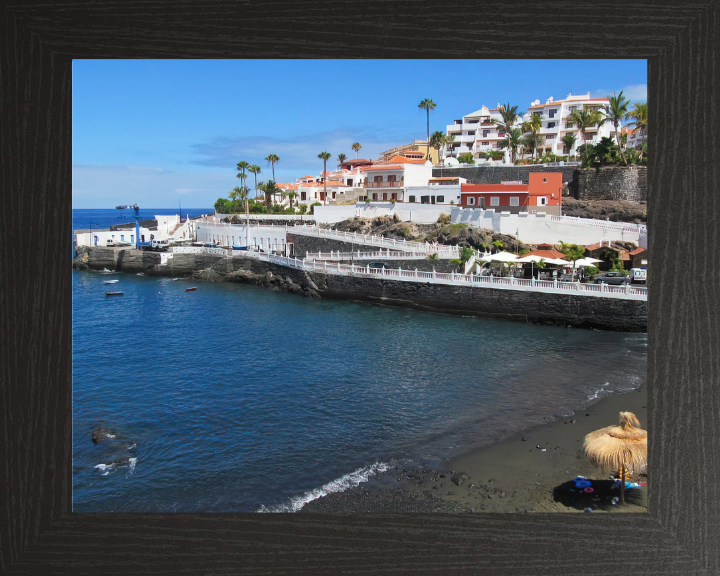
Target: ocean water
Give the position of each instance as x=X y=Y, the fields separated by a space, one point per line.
x=235 y=398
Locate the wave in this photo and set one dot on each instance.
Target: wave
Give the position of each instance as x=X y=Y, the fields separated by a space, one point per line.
x=106 y=468
x=338 y=485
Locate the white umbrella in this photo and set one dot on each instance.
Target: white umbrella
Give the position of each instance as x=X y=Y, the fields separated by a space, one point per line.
x=585 y=262
x=502 y=257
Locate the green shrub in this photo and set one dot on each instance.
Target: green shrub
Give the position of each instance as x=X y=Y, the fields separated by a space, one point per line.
x=312 y=206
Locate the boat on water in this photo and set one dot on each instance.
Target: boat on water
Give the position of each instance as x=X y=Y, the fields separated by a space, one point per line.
x=112 y=281
x=113 y=293
x=190 y=289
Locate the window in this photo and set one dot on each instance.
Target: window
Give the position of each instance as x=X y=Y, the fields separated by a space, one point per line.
x=486 y=143
x=514 y=200
x=350 y=182
x=544 y=180
x=495 y=201
x=122 y=237
x=378 y=178
x=132 y=238
x=549 y=136
x=542 y=201
x=411 y=199
x=573 y=108
x=485 y=133
x=441 y=198
x=553 y=112
x=392 y=178
x=551 y=125
x=471 y=201
x=425 y=199
x=375 y=196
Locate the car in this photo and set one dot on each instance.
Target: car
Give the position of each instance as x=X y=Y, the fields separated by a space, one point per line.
x=638 y=276
x=615 y=278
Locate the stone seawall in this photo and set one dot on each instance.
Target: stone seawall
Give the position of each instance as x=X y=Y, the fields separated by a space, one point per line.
x=561 y=309
x=612 y=183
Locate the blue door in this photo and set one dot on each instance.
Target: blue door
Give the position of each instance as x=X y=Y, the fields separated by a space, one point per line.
x=96 y=240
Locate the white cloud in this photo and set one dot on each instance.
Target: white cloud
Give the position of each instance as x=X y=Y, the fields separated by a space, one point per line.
x=633 y=92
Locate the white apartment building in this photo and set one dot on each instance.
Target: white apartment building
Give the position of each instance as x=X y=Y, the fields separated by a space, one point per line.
x=635 y=139
x=389 y=181
x=555 y=124
x=476 y=133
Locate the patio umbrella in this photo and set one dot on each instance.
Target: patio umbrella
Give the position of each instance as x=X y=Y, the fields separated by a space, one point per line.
x=619 y=447
x=502 y=257
x=532 y=259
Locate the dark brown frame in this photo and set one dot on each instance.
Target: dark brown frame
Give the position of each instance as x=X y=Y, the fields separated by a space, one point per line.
x=38 y=532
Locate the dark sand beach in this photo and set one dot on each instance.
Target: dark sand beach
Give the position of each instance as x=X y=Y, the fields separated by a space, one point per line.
x=513 y=475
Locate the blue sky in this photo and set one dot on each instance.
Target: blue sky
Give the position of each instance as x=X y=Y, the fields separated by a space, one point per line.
x=157 y=132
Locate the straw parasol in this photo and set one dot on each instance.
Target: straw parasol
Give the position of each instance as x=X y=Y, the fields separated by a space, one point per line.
x=618 y=447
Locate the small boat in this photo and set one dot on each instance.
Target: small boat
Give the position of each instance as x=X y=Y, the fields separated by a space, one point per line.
x=113 y=293
x=190 y=289
x=112 y=281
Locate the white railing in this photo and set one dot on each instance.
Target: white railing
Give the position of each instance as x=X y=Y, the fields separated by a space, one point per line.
x=384 y=254
x=197 y=250
x=600 y=223
x=395 y=244
x=296 y=217
x=547 y=286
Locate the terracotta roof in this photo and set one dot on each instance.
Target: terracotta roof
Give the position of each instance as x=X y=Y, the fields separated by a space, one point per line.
x=405 y=160
x=287 y=186
x=594 y=246
x=382 y=167
x=638 y=251
x=320 y=184
x=443 y=178
x=357 y=161
x=545 y=254
x=493 y=188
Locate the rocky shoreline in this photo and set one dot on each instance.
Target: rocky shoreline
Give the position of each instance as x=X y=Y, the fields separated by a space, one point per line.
x=569 y=309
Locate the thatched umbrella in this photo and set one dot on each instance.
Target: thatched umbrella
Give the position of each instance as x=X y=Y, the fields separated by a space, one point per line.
x=619 y=447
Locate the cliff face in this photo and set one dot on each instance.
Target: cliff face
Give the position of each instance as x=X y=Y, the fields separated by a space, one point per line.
x=561 y=309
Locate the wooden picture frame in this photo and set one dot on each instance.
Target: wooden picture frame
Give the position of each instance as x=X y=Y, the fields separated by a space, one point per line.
x=38 y=532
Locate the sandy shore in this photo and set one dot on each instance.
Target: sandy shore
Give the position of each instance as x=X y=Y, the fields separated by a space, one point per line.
x=510 y=476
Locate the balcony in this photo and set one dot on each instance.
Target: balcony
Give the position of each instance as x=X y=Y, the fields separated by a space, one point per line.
x=385 y=184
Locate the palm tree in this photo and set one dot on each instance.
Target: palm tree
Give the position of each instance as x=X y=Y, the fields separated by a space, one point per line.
x=498 y=244
x=292 y=195
x=616 y=111
x=272 y=159
x=532 y=141
x=510 y=116
x=639 y=116
x=269 y=188
x=255 y=169
x=572 y=252
x=324 y=156
x=513 y=141
x=438 y=140
x=241 y=167
x=449 y=141
x=341 y=158
x=586 y=118
x=356 y=148
x=234 y=194
x=533 y=127
x=427 y=105
x=569 y=141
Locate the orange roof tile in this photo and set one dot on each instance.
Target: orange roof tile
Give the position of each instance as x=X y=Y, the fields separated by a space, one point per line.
x=545 y=254
x=638 y=251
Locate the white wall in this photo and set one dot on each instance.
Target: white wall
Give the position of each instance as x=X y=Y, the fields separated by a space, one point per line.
x=451 y=192
x=537 y=228
x=265 y=237
x=420 y=213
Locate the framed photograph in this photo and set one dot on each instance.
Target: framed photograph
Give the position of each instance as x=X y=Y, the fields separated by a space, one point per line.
x=136 y=437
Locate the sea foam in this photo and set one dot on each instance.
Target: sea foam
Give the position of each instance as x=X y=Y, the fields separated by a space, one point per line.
x=338 y=485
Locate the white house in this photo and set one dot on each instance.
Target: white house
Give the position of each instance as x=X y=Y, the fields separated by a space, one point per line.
x=169 y=227
x=390 y=181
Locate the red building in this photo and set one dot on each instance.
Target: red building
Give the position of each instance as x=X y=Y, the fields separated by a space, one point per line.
x=543 y=193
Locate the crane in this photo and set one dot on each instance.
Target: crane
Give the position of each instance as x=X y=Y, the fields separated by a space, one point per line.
x=136 y=208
